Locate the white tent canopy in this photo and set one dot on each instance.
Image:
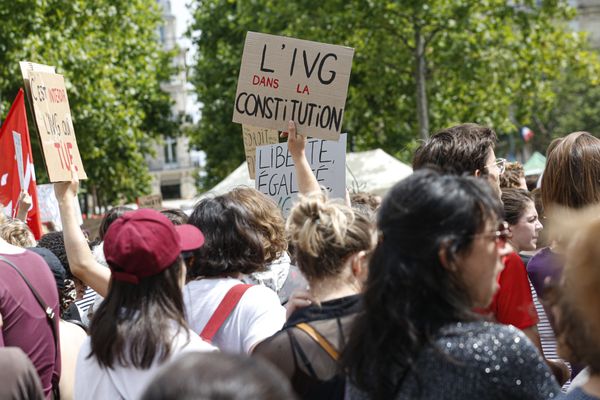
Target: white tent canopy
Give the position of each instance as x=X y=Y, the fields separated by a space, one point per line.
x=372 y=171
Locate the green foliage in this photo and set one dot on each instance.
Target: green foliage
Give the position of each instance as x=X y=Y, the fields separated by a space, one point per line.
x=493 y=62
x=113 y=64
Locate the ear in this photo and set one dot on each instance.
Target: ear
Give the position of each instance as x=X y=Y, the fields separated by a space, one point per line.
x=446 y=257
x=477 y=173
x=359 y=266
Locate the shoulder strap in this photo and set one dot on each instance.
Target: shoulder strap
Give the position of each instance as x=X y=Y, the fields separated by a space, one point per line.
x=320 y=339
x=50 y=315
x=227 y=305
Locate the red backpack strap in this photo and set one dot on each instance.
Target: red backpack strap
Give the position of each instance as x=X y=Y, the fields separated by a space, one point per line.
x=231 y=299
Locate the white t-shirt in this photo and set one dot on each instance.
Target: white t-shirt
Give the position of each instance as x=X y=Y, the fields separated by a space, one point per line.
x=256 y=317
x=95 y=382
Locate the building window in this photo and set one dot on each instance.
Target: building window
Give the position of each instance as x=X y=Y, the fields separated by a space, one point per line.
x=170 y=150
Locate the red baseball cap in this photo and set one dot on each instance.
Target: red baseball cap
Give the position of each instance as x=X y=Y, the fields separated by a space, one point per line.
x=144 y=242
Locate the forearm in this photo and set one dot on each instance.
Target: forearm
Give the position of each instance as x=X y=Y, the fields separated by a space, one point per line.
x=81 y=260
x=22 y=214
x=307 y=182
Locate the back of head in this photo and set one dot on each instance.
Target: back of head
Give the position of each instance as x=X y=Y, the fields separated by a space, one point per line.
x=232 y=244
x=219 y=376
x=365 y=199
x=55 y=242
x=265 y=217
x=572 y=174
x=461 y=149
x=409 y=293
x=175 y=215
x=324 y=233
x=513 y=176
x=109 y=218
x=17 y=233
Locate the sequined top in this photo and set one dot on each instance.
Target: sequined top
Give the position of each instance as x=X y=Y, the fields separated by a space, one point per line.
x=478 y=360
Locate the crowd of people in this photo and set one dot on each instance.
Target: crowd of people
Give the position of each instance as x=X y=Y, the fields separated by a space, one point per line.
x=464 y=281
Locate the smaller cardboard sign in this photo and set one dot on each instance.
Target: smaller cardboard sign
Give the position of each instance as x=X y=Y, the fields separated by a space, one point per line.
x=283 y=79
x=55 y=126
x=49 y=211
x=276 y=174
x=254 y=137
x=153 y=201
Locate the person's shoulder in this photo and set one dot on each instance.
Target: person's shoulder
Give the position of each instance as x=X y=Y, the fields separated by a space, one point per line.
x=540 y=259
x=195 y=343
x=482 y=340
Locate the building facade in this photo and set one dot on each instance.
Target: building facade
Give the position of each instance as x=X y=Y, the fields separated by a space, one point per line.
x=174 y=166
x=588 y=19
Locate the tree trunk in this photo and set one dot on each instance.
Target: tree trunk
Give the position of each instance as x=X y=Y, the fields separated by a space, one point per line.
x=420 y=71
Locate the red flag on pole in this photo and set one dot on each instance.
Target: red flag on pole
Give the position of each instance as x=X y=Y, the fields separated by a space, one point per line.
x=16 y=165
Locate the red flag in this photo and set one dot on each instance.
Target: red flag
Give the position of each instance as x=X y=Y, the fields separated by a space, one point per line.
x=16 y=165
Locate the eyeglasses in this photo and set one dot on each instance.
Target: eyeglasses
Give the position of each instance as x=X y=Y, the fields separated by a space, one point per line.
x=500 y=163
x=500 y=236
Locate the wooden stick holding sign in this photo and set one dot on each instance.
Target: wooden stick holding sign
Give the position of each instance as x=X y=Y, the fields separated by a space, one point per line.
x=254 y=137
x=55 y=126
x=284 y=79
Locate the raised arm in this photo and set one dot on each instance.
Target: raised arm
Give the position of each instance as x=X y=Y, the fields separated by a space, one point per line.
x=307 y=182
x=23 y=204
x=82 y=262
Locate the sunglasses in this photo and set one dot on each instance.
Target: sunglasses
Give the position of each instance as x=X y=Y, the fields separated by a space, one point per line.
x=500 y=236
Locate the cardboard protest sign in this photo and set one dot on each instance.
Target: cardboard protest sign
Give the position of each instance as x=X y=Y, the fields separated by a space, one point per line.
x=276 y=176
x=55 y=126
x=27 y=67
x=283 y=79
x=151 y=201
x=254 y=137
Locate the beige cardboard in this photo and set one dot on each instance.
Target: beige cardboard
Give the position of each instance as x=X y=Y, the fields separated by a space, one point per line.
x=26 y=67
x=151 y=201
x=283 y=79
x=254 y=137
x=55 y=126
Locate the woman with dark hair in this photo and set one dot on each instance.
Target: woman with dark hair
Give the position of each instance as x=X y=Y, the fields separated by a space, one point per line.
x=331 y=245
x=438 y=257
x=140 y=325
x=233 y=316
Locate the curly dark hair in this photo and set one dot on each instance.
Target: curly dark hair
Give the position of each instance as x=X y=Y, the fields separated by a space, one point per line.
x=266 y=218
x=409 y=294
x=232 y=244
x=55 y=242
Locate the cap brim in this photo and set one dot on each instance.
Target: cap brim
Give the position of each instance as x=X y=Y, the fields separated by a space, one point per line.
x=190 y=237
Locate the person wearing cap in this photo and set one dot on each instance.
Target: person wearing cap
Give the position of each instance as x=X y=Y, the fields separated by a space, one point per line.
x=140 y=325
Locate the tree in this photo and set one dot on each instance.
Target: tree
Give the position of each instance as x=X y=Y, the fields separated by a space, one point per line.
x=418 y=66
x=113 y=64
